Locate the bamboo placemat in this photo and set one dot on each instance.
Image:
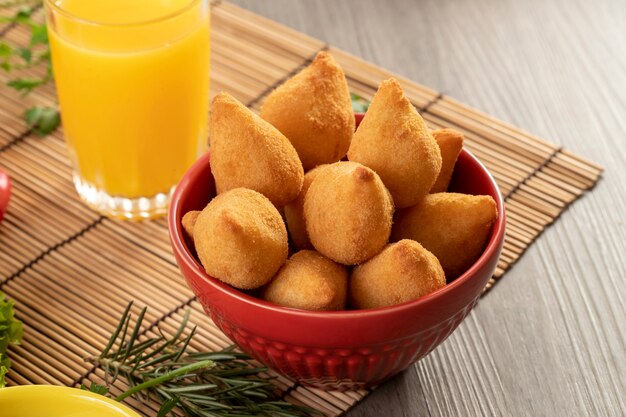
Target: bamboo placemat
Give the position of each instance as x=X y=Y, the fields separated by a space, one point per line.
x=72 y=272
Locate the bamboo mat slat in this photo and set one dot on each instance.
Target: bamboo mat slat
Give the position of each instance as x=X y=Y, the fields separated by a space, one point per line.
x=72 y=272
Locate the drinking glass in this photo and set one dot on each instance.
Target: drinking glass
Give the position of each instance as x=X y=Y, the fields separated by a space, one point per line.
x=132 y=78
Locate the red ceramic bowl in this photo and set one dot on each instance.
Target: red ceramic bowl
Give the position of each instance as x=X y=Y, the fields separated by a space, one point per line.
x=344 y=349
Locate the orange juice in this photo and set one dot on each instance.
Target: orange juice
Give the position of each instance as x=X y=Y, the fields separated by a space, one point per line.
x=132 y=79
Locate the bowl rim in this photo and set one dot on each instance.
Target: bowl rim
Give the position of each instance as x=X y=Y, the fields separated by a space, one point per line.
x=184 y=255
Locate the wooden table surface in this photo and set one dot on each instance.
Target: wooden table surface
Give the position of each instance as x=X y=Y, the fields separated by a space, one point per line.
x=550 y=339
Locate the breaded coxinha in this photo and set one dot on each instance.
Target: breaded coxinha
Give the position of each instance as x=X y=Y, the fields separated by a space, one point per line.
x=403 y=271
x=450 y=143
x=348 y=213
x=309 y=281
x=394 y=141
x=189 y=221
x=240 y=238
x=247 y=151
x=313 y=109
x=294 y=213
x=454 y=227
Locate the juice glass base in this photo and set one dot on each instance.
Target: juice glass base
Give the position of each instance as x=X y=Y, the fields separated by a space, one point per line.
x=123 y=208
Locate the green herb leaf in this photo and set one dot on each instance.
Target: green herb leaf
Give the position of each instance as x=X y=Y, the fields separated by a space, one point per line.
x=39 y=35
x=26 y=54
x=359 y=104
x=95 y=388
x=10 y=334
x=42 y=120
x=26 y=85
x=5 y=49
x=24 y=14
x=6 y=4
x=37 y=53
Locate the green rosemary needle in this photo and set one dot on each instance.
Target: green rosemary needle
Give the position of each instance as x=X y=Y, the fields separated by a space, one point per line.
x=198 y=384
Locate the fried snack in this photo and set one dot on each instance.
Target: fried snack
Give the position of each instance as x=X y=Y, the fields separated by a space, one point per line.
x=241 y=239
x=313 y=109
x=403 y=271
x=309 y=281
x=348 y=213
x=394 y=141
x=189 y=221
x=450 y=143
x=246 y=151
x=454 y=227
x=294 y=213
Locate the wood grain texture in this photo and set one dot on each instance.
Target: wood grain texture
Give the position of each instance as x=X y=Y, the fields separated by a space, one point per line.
x=550 y=339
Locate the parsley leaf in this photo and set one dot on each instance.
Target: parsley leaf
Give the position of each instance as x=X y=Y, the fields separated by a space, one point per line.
x=359 y=104
x=43 y=120
x=25 y=85
x=39 y=35
x=10 y=334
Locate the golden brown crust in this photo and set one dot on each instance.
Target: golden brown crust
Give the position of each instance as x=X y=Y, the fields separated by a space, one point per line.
x=294 y=213
x=241 y=239
x=394 y=141
x=188 y=221
x=309 y=281
x=248 y=152
x=454 y=227
x=403 y=271
x=348 y=213
x=450 y=143
x=313 y=109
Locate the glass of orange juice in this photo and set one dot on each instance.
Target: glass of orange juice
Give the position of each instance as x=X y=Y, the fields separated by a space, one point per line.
x=132 y=78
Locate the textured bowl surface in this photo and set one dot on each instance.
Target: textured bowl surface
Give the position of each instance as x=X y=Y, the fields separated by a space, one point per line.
x=55 y=401
x=345 y=349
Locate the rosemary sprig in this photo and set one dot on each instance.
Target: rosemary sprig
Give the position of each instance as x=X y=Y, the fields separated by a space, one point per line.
x=200 y=384
x=41 y=120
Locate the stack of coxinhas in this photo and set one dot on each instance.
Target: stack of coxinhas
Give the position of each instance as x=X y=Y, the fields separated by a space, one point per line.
x=374 y=230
